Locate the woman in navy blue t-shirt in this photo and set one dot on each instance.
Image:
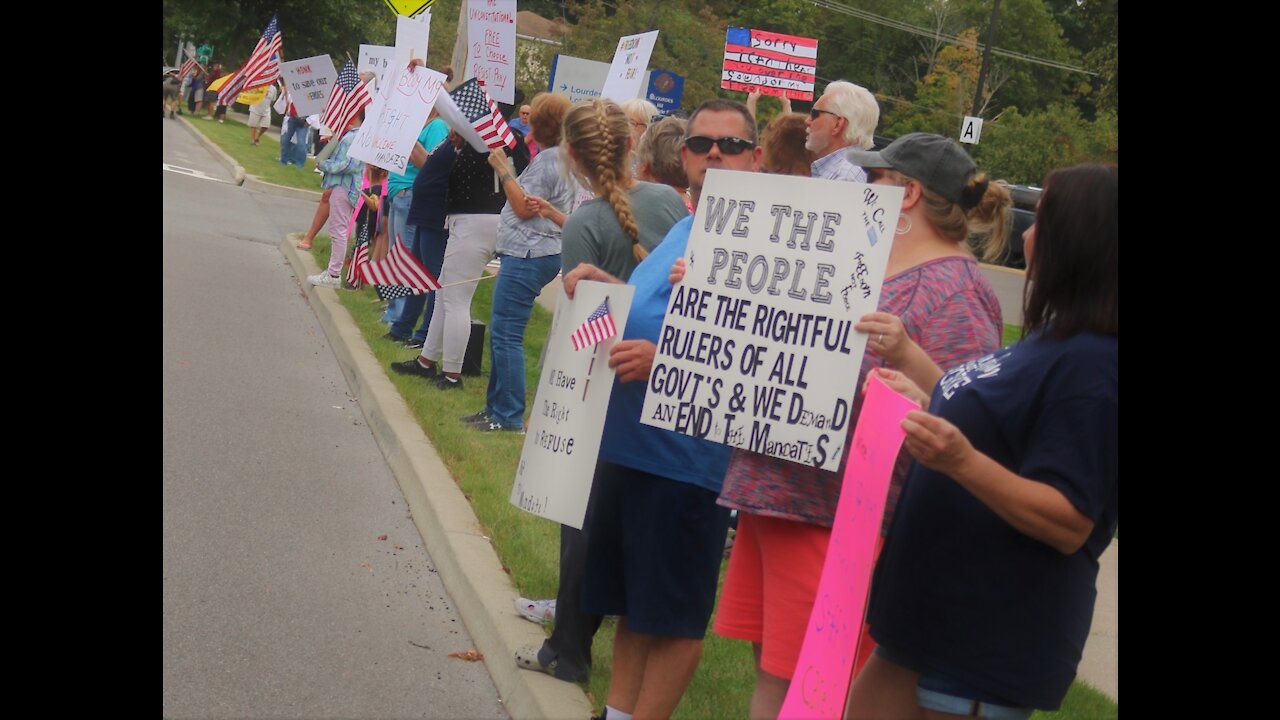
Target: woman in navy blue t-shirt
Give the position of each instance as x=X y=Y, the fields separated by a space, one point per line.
x=983 y=595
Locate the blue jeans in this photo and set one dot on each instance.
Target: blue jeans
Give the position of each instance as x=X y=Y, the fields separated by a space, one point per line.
x=428 y=245
x=293 y=141
x=397 y=218
x=519 y=282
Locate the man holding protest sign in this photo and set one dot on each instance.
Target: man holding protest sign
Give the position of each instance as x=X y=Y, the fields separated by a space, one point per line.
x=653 y=566
x=844 y=117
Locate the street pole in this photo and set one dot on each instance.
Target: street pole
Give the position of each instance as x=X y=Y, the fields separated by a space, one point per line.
x=986 y=59
x=177 y=59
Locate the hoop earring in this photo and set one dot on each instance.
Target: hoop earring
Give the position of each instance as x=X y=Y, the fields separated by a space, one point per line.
x=901 y=230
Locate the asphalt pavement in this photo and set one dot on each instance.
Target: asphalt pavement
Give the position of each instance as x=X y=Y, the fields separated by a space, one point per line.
x=295 y=583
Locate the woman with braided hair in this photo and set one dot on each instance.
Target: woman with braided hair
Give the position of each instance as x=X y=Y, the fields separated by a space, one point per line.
x=628 y=217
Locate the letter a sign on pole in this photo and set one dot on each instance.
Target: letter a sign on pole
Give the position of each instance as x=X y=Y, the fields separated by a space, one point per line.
x=971 y=130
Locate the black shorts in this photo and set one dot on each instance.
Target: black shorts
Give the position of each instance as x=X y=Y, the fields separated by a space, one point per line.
x=654 y=552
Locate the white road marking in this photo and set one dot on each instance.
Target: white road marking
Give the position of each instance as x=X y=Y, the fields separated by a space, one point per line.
x=193 y=173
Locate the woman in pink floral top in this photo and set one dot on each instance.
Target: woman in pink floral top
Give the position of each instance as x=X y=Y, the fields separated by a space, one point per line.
x=947 y=307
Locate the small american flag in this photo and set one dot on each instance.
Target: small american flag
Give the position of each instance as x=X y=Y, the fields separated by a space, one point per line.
x=186 y=68
x=482 y=113
x=400 y=270
x=348 y=96
x=261 y=69
x=597 y=328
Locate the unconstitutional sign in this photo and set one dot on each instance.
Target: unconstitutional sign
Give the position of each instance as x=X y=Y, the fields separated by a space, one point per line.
x=395 y=118
x=771 y=63
x=626 y=75
x=491 y=46
x=553 y=479
x=309 y=81
x=758 y=350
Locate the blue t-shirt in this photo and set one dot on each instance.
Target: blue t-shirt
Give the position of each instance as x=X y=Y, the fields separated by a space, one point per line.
x=432 y=135
x=959 y=590
x=626 y=440
x=430 y=188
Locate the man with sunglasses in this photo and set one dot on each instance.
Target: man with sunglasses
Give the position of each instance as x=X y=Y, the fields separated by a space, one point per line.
x=844 y=117
x=655 y=533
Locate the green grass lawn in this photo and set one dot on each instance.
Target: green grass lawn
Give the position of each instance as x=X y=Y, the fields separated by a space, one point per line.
x=261 y=160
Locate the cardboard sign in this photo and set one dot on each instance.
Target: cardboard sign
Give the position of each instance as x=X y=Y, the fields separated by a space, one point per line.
x=757 y=349
x=824 y=672
x=412 y=37
x=771 y=63
x=582 y=79
x=387 y=136
x=309 y=80
x=553 y=479
x=626 y=72
x=491 y=46
x=376 y=59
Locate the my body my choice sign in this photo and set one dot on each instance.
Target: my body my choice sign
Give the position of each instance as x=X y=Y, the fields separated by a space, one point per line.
x=758 y=350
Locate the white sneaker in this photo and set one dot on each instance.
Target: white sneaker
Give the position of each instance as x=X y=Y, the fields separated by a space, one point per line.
x=324 y=279
x=539 y=611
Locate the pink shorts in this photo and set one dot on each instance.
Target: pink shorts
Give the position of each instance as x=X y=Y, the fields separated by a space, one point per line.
x=769 y=588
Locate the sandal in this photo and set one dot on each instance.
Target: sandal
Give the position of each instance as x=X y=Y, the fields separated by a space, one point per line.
x=527 y=658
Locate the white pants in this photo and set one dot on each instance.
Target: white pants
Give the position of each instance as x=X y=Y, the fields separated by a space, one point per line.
x=472 y=239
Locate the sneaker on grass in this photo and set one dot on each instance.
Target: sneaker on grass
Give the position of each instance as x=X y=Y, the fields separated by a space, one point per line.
x=413 y=367
x=539 y=611
x=480 y=418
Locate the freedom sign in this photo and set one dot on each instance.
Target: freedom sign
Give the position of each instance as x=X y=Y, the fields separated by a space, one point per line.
x=757 y=349
x=770 y=63
x=566 y=424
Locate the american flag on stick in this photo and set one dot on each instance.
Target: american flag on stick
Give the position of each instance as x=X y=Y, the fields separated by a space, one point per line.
x=400 y=270
x=597 y=328
x=261 y=69
x=482 y=112
x=348 y=96
x=186 y=68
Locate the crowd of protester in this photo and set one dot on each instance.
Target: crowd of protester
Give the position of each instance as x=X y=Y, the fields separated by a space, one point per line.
x=1005 y=493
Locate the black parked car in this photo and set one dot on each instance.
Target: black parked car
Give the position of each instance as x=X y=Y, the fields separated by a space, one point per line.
x=1025 y=198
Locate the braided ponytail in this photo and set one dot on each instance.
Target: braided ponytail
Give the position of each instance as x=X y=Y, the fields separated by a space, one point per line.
x=598 y=131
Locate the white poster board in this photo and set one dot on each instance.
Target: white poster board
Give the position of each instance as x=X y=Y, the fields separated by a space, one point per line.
x=395 y=118
x=757 y=349
x=309 y=81
x=376 y=58
x=626 y=72
x=562 y=443
x=582 y=79
x=971 y=130
x=491 y=46
x=412 y=37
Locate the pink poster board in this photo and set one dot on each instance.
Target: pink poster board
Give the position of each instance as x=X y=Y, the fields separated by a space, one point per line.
x=824 y=672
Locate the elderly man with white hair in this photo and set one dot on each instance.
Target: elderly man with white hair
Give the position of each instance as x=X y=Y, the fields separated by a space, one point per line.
x=844 y=117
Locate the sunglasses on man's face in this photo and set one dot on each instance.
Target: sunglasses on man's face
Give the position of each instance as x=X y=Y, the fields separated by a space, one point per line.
x=728 y=145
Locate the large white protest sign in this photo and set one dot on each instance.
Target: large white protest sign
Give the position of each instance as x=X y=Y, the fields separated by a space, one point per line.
x=757 y=349
x=377 y=59
x=412 y=37
x=491 y=46
x=626 y=72
x=553 y=479
x=309 y=81
x=396 y=117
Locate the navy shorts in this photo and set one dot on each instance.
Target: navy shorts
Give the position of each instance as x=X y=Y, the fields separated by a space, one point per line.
x=655 y=552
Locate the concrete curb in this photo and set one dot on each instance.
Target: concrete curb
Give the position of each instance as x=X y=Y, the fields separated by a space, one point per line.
x=234 y=167
x=253 y=182
x=464 y=557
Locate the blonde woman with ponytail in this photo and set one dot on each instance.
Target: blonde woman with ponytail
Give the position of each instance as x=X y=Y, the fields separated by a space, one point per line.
x=628 y=217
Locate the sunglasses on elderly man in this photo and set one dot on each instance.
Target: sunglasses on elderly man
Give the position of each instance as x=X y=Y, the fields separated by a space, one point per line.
x=728 y=145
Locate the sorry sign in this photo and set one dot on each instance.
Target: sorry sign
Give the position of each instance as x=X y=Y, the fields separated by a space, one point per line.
x=757 y=349
x=771 y=63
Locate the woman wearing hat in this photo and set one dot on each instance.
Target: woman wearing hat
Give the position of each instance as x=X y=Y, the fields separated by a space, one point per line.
x=983 y=598
x=941 y=301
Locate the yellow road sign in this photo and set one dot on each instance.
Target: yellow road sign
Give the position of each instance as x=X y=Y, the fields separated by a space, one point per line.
x=412 y=8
